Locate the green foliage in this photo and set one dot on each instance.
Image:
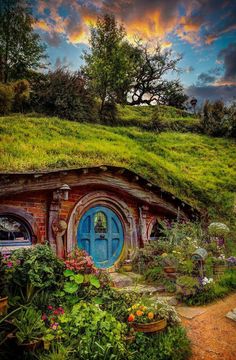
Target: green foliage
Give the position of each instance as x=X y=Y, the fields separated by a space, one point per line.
x=21 y=94
x=74 y=280
x=97 y=332
x=110 y=63
x=35 y=270
x=63 y=93
x=6 y=98
x=218 y=119
x=228 y=279
x=187 y=285
x=172 y=344
x=20 y=46
x=29 y=325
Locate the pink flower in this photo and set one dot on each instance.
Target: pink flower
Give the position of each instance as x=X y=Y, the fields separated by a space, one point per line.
x=9 y=264
x=44 y=317
x=50 y=307
x=54 y=326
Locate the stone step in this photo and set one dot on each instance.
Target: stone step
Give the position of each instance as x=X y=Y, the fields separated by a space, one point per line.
x=141 y=289
x=121 y=280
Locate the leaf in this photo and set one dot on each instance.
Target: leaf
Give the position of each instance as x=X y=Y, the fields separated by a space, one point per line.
x=70 y=288
x=79 y=278
x=94 y=281
x=98 y=300
x=68 y=273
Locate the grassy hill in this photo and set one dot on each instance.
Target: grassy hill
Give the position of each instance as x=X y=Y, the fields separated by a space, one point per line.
x=198 y=169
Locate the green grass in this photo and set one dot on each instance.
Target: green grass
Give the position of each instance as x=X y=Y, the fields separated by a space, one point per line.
x=198 y=169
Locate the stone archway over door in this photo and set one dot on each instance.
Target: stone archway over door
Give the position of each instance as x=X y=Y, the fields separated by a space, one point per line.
x=115 y=205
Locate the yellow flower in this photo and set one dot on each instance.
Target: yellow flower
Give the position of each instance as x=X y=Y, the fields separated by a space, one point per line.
x=164 y=254
x=142 y=307
x=134 y=306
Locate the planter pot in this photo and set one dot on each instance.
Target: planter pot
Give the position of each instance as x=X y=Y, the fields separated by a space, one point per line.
x=3 y=305
x=127 y=267
x=130 y=339
x=219 y=269
x=169 y=269
x=151 y=327
x=32 y=346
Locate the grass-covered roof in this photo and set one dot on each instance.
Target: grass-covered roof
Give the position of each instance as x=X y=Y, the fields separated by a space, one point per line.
x=196 y=168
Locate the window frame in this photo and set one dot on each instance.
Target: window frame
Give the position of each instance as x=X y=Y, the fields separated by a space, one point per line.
x=27 y=227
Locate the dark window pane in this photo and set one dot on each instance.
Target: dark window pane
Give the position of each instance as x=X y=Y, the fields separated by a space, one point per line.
x=13 y=230
x=100 y=222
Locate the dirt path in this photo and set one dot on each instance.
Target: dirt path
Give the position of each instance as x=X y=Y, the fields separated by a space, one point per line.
x=213 y=336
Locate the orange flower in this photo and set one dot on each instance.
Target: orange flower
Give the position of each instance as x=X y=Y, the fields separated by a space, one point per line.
x=143 y=308
x=131 y=317
x=150 y=315
x=139 y=312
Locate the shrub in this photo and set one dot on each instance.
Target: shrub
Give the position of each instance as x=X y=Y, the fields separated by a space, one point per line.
x=6 y=98
x=34 y=268
x=97 y=332
x=64 y=94
x=172 y=344
x=21 y=90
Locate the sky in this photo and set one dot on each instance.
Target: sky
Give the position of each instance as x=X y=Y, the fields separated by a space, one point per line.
x=203 y=31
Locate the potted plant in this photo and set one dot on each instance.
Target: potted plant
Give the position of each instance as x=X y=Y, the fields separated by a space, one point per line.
x=169 y=263
x=3 y=284
x=146 y=319
x=219 y=264
x=127 y=265
x=30 y=329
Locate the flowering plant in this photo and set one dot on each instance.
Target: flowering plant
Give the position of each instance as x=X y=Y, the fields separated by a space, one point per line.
x=205 y=281
x=80 y=262
x=139 y=313
x=51 y=319
x=231 y=260
x=143 y=314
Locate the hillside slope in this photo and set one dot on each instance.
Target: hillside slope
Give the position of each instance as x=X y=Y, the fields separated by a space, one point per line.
x=199 y=169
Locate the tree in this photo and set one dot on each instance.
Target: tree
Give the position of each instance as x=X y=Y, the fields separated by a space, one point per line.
x=110 y=63
x=150 y=85
x=20 y=47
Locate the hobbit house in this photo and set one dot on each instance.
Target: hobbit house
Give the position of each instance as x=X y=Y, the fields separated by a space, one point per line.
x=108 y=211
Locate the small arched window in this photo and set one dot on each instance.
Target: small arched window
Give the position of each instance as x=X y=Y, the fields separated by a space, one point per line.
x=14 y=231
x=100 y=222
x=156 y=231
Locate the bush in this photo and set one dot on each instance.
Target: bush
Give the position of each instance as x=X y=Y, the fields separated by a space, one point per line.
x=21 y=90
x=64 y=94
x=6 y=98
x=219 y=120
x=98 y=334
x=170 y=345
x=33 y=269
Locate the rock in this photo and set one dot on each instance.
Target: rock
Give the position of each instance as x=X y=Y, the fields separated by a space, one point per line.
x=190 y=312
x=231 y=314
x=173 y=301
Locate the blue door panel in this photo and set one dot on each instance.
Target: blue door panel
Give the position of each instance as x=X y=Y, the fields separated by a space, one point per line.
x=100 y=233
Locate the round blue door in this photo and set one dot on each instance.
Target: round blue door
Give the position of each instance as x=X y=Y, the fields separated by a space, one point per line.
x=101 y=234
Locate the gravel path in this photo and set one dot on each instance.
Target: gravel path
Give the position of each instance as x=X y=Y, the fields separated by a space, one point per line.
x=213 y=336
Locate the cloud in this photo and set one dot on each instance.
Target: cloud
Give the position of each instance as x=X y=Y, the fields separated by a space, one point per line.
x=228 y=58
x=189 y=69
x=202 y=93
x=205 y=78
x=53 y=38
x=61 y=62
x=194 y=21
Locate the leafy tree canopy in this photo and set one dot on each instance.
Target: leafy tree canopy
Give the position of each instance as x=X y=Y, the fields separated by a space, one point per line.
x=20 y=47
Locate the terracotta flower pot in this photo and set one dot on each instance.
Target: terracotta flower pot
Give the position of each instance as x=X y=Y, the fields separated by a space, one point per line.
x=169 y=269
x=150 y=327
x=3 y=305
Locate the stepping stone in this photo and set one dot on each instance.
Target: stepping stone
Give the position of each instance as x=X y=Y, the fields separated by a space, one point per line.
x=231 y=315
x=140 y=289
x=170 y=299
x=189 y=312
x=121 y=280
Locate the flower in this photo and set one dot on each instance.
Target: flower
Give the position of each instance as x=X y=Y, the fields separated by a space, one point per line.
x=131 y=318
x=54 y=326
x=206 y=281
x=50 y=307
x=9 y=264
x=150 y=315
x=44 y=317
x=139 y=313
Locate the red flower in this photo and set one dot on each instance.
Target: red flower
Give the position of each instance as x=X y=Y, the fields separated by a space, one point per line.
x=44 y=317
x=50 y=307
